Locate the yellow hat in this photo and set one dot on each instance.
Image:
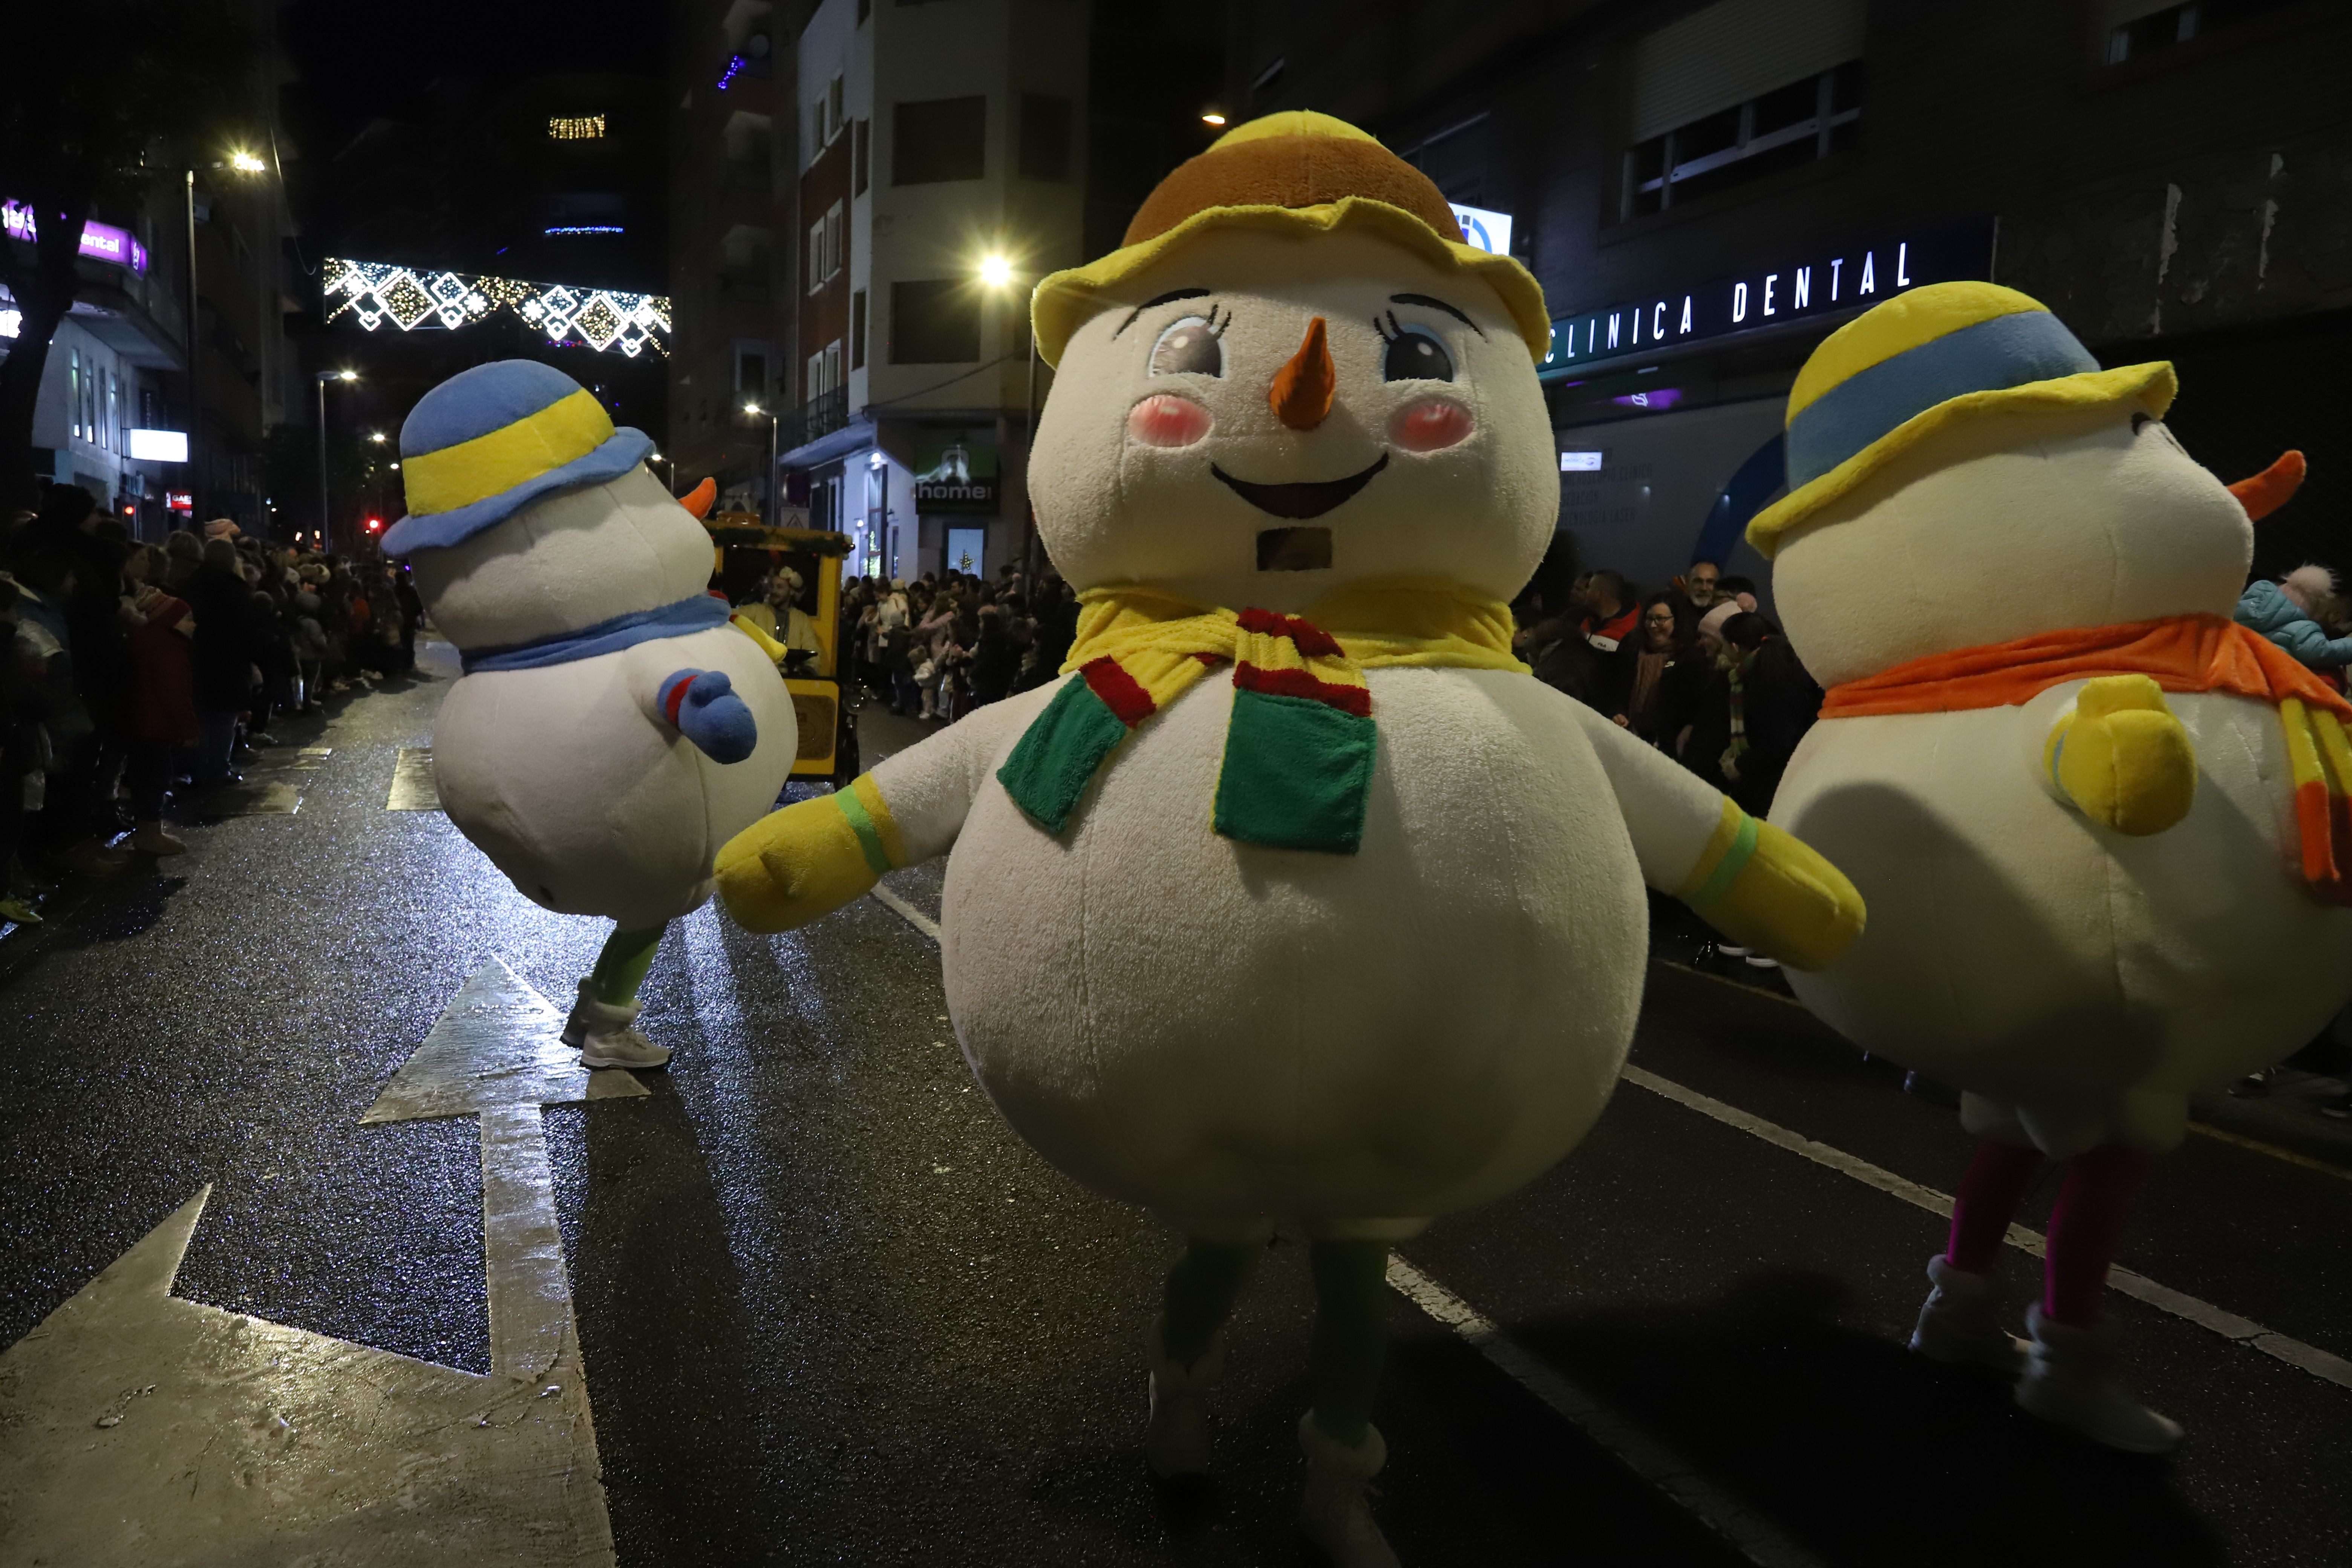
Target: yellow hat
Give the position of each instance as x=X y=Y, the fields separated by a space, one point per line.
x=1902 y=371
x=1294 y=173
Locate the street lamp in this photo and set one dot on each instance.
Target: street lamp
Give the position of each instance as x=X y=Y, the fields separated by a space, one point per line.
x=323 y=377
x=995 y=272
x=754 y=409
x=240 y=161
x=670 y=463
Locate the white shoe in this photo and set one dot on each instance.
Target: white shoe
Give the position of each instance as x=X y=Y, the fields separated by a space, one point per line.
x=1332 y=1510
x=2070 y=1380
x=1731 y=950
x=1962 y=1321
x=607 y=1036
x=1758 y=961
x=1176 y=1442
x=149 y=838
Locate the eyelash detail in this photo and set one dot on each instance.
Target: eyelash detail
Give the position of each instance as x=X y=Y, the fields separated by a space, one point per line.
x=1389 y=330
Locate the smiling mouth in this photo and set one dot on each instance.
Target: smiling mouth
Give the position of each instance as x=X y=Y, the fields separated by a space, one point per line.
x=1301 y=501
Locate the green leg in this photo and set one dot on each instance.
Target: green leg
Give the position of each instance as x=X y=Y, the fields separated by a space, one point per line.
x=1351 y=1334
x=621 y=967
x=1201 y=1290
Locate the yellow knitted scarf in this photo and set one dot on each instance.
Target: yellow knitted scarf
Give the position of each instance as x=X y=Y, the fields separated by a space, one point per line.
x=1300 y=745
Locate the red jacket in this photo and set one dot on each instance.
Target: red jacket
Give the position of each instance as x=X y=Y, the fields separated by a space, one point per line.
x=162 y=687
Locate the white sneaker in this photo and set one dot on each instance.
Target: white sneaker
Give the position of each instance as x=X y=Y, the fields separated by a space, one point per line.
x=607 y=1036
x=1729 y=950
x=1962 y=1321
x=1176 y=1442
x=149 y=838
x=1758 y=961
x=2070 y=1380
x=1332 y=1510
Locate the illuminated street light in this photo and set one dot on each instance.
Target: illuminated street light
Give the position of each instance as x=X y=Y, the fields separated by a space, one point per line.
x=1211 y=117
x=322 y=377
x=376 y=436
x=774 y=430
x=347 y=375
x=244 y=162
x=996 y=269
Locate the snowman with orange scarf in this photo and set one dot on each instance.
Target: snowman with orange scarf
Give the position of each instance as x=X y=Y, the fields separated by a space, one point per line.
x=1297 y=898
x=2100 y=826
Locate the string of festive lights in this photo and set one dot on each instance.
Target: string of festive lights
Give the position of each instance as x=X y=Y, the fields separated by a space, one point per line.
x=575 y=127
x=375 y=293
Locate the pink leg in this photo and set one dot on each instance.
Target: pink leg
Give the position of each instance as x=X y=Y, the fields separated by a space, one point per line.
x=2085 y=1231
x=1987 y=1199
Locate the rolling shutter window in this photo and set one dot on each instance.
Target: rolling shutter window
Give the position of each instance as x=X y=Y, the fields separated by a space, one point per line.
x=1734 y=51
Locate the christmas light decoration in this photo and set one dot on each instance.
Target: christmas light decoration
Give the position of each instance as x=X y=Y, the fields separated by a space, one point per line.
x=575 y=127
x=372 y=293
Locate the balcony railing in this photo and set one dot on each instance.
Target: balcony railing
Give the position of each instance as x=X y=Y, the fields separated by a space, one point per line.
x=820 y=416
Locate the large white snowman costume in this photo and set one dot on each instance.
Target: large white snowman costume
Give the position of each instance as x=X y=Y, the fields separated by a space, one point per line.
x=612 y=729
x=1323 y=908
x=2065 y=783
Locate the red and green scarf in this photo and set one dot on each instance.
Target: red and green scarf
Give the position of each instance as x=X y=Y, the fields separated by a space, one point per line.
x=1300 y=748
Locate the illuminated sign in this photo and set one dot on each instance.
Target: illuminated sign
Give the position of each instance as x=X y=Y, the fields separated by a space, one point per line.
x=99 y=241
x=12 y=321
x=1827 y=285
x=586 y=228
x=159 y=446
x=1580 y=462
x=1483 y=230
x=180 y=500
x=575 y=127
x=373 y=294
x=1656 y=400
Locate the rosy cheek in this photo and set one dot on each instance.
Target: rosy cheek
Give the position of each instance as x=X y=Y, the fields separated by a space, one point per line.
x=1430 y=424
x=1165 y=421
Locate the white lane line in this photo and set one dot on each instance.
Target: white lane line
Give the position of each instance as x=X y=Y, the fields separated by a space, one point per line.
x=1753 y=1536
x=523 y=1248
x=907 y=911
x=2320 y=1363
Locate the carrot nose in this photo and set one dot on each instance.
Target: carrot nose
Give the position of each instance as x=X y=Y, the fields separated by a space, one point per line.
x=1301 y=392
x=697 y=500
x=2267 y=492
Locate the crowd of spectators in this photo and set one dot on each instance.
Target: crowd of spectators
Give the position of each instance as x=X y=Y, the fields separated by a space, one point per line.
x=947 y=643
x=134 y=673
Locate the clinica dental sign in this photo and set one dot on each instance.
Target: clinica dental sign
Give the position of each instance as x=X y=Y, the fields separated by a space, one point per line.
x=1830 y=283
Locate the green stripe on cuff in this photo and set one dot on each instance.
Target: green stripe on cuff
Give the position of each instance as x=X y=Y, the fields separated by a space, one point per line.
x=1726 y=870
x=869 y=837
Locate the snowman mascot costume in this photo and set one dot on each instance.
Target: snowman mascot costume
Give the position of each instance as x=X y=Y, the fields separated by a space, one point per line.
x=2100 y=829
x=1297 y=897
x=611 y=729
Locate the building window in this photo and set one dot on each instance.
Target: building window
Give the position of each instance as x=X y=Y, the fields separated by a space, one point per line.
x=857 y=330
x=861 y=145
x=825 y=370
x=935 y=321
x=939 y=140
x=1790 y=125
x=1045 y=137
x=751 y=371
x=575 y=128
x=2137 y=28
x=825 y=253
x=833 y=108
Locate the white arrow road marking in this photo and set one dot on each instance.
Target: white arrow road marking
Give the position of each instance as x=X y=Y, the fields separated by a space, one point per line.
x=136 y=1428
x=413 y=787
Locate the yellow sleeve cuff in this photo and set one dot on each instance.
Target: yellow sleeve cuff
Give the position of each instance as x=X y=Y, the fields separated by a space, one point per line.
x=810 y=859
x=2122 y=756
x=1767 y=891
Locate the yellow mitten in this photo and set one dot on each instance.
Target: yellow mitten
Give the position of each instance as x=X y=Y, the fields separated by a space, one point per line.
x=2122 y=757
x=1767 y=890
x=810 y=859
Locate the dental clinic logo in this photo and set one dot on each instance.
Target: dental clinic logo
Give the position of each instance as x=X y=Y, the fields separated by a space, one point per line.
x=1837 y=281
x=1484 y=230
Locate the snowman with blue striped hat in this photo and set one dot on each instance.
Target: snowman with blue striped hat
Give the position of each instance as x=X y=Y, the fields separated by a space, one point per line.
x=611 y=729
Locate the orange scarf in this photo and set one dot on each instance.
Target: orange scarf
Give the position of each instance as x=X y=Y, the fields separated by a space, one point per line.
x=2179 y=653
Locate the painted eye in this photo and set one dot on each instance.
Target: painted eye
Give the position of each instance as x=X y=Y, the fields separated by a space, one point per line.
x=1417 y=355
x=1189 y=347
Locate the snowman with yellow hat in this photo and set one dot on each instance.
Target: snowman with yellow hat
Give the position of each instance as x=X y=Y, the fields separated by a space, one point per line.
x=2100 y=826
x=611 y=730
x=1297 y=898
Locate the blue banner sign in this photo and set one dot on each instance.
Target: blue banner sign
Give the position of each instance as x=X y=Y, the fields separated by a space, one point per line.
x=1830 y=284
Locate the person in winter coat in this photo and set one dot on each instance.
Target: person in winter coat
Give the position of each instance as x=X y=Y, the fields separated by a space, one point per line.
x=162 y=697
x=1748 y=722
x=994 y=658
x=223 y=657
x=2287 y=613
x=1654 y=678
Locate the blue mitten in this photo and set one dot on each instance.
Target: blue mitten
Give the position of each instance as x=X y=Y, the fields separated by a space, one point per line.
x=703 y=705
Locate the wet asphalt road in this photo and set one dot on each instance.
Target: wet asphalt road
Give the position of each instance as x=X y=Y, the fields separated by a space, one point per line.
x=832 y=1311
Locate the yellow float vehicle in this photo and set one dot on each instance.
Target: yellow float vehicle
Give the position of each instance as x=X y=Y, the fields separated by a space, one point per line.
x=785 y=585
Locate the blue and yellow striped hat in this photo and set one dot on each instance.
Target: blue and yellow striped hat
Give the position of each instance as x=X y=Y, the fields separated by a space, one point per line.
x=1901 y=371
x=490 y=440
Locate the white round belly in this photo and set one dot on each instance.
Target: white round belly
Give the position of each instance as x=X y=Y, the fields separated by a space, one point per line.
x=1221 y=1029
x=587 y=804
x=2016 y=950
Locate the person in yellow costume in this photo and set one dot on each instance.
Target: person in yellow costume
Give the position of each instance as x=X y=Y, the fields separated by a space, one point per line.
x=1297 y=898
